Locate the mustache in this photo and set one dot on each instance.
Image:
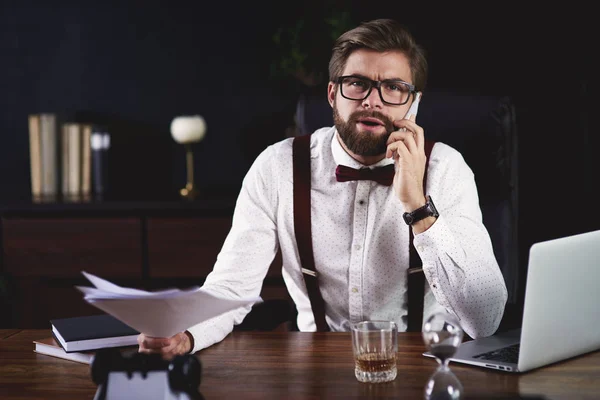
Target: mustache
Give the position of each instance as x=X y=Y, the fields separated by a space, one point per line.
x=358 y=115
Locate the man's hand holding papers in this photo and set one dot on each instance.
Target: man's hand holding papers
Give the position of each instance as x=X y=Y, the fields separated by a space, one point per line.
x=180 y=343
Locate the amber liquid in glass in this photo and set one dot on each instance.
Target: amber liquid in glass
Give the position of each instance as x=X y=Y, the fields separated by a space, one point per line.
x=376 y=362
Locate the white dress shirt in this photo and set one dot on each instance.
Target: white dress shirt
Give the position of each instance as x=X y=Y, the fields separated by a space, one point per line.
x=360 y=244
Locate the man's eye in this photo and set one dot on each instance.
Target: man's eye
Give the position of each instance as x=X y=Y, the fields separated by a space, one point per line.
x=393 y=87
x=359 y=83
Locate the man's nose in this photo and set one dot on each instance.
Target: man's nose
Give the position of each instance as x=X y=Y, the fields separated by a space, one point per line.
x=373 y=100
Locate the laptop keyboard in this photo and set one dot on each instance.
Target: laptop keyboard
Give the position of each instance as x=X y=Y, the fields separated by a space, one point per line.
x=509 y=354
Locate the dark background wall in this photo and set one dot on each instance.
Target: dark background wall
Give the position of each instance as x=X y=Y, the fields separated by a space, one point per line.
x=136 y=65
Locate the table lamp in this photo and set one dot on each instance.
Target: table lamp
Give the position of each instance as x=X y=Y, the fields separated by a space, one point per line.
x=186 y=130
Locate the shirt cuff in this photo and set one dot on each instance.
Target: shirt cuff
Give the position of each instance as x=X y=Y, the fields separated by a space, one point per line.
x=201 y=339
x=426 y=245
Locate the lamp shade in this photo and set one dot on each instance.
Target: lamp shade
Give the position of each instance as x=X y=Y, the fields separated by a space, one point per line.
x=188 y=128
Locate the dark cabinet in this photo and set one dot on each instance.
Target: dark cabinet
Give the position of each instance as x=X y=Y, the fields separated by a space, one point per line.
x=43 y=259
x=142 y=245
x=63 y=247
x=184 y=247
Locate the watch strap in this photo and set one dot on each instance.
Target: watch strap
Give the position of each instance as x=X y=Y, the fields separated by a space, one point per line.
x=428 y=210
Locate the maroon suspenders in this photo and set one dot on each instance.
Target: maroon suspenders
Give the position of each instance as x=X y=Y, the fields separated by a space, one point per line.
x=415 y=278
x=302 y=229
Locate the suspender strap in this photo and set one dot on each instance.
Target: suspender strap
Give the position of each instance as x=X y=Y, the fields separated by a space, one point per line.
x=415 y=276
x=302 y=228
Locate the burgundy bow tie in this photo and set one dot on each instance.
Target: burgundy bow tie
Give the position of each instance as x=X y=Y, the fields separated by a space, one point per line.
x=383 y=175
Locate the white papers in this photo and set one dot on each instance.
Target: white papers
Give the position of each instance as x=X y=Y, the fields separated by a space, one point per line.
x=162 y=313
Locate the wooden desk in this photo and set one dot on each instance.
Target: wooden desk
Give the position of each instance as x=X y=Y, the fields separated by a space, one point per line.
x=293 y=365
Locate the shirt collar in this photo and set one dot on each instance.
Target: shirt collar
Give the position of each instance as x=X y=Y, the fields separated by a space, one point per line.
x=341 y=157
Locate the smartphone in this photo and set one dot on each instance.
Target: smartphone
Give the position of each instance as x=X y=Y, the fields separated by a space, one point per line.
x=414 y=107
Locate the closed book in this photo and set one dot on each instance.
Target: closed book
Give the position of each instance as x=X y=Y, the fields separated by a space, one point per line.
x=35 y=155
x=65 y=161
x=49 y=156
x=74 y=156
x=86 y=161
x=92 y=332
x=50 y=347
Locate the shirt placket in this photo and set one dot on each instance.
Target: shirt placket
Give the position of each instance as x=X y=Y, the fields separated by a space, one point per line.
x=357 y=250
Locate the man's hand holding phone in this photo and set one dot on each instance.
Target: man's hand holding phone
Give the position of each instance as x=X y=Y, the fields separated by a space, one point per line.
x=407 y=146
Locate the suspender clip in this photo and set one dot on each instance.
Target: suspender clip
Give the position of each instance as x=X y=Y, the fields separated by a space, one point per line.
x=414 y=270
x=309 y=272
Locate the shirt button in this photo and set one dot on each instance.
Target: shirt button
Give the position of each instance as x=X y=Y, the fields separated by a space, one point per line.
x=357 y=246
x=361 y=202
x=434 y=286
x=354 y=290
x=420 y=248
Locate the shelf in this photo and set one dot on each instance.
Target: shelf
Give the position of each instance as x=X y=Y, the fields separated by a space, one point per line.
x=221 y=205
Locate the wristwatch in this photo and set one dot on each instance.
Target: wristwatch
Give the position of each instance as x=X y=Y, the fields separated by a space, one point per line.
x=428 y=210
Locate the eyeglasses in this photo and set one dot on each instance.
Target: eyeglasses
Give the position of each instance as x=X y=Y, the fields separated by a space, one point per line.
x=391 y=91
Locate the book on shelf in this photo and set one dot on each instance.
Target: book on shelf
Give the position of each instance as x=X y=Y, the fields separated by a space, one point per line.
x=50 y=347
x=43 y=155
x=72 y=159
x=76 y=161
x=63 y=161
x=92 y=332
x=86 y=160
x=49 y=155
x=64 y=155
x=35 y=155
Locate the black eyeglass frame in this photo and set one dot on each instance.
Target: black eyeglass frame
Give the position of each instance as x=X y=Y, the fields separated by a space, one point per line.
x=377 y=84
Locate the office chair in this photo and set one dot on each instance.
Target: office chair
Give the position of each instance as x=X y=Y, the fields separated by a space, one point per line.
x=270 y=315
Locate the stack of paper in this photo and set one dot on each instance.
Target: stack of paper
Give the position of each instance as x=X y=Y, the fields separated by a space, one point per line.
x=161 y=313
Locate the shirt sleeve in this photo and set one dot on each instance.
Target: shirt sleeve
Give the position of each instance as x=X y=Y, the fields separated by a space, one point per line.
x=247 y=252
x=457 y=253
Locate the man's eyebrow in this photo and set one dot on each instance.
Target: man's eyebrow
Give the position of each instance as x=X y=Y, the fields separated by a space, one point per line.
x=383 y=80
x=396 y=79
x=358 y=76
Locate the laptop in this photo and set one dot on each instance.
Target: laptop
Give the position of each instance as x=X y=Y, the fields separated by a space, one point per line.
x=561 y=311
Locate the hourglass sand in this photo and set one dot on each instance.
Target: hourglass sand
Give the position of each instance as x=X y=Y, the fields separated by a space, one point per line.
x=442 y=335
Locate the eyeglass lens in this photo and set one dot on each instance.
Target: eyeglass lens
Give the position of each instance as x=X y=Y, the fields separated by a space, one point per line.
x=393 y=92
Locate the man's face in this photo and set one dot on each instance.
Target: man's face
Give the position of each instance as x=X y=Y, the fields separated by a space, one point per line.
x=365 y=125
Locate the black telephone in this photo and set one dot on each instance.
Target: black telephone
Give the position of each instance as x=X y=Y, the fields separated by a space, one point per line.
x=136 y=375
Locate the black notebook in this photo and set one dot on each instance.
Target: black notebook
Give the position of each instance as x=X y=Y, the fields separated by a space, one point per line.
x=92 y=332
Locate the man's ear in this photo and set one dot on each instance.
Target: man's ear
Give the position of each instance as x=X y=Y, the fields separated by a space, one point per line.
x=331 y=93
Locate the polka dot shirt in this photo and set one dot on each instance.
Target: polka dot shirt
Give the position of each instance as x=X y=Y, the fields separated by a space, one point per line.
x=360 y=244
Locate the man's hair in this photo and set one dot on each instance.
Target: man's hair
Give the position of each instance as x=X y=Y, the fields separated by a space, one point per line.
x=379 y=35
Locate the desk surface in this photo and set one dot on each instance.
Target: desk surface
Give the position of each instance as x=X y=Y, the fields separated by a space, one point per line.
x=294 y=365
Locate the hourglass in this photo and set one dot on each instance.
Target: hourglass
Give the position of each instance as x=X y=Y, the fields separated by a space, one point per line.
x=442 y=335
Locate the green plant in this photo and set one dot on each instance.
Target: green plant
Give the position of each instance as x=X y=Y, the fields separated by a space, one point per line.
x=303 y=45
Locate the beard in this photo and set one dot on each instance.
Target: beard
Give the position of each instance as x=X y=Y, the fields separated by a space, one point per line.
x=362 y=143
